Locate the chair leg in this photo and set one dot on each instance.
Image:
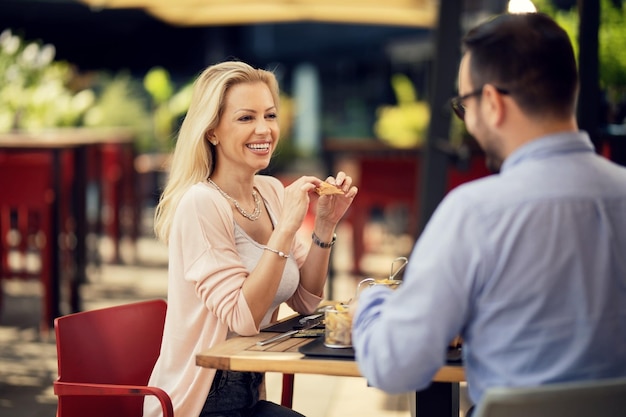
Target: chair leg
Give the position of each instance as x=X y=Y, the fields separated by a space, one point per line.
x=286 y=399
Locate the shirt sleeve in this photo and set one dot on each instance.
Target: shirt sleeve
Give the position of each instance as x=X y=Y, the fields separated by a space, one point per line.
x=401 y=336
x=204 y=232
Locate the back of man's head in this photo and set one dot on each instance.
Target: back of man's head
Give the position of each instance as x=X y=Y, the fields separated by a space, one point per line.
x=530 y=56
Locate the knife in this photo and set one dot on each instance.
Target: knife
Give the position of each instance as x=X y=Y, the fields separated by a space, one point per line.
x=309 y=325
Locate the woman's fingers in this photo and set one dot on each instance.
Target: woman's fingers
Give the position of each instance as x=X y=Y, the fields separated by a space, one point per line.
x=342 y=181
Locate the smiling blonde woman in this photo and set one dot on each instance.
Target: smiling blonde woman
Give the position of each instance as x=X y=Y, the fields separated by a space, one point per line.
x=234 y=255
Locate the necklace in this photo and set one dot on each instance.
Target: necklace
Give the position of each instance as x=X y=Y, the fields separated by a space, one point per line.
x=257 y=202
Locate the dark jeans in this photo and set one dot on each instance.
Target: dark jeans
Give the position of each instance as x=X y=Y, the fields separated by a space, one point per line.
x=236 y=394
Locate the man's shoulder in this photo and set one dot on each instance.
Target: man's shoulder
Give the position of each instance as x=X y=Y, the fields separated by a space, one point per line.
x=480 y=189
x=488 y=197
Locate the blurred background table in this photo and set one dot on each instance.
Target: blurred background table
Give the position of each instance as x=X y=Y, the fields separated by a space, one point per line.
x=45 y=179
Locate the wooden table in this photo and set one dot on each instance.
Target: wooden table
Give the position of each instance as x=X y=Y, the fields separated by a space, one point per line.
x=243 y=354
x=76 y=141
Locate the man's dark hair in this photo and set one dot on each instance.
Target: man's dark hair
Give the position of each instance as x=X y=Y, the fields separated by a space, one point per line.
x=529 y=55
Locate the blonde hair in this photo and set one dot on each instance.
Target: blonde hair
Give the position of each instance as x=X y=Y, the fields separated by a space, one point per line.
x=193 y=157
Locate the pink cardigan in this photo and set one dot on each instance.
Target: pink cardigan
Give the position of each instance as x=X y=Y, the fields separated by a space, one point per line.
x=204 y=297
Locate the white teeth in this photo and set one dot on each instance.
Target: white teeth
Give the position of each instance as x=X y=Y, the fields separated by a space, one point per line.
x=259 y=146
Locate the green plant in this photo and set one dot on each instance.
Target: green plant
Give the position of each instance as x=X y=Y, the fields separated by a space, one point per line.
x=168 y=105
x=611 y=42
x=121 y=102
x=34 y=88
x=403 y=125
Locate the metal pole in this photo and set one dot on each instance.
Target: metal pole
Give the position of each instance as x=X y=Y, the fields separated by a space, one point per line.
x=435 y=162
x=589 y=95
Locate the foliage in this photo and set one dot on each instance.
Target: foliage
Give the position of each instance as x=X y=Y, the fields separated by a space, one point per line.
x=37 y=92
x=611 y=42
x=34 y=89
x=403 y=125
x=168 y=105
x=121 y=103
x=612 y=48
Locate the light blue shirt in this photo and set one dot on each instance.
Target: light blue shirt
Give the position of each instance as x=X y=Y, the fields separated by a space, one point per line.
x=528 y=266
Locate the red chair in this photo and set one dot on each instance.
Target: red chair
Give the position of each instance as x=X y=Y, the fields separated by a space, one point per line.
x=384 y=182
x=27 y=197
x=118 y=193
x=105 y=358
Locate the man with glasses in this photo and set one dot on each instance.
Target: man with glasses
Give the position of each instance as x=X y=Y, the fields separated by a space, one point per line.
x=527 y=265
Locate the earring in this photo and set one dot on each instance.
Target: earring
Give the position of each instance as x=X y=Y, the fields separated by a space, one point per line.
x=211 y=138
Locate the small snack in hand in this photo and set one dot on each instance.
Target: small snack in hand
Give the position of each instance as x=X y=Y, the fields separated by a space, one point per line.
x=328 y=189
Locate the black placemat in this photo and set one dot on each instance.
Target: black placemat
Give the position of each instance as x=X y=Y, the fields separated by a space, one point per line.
x=316 y=348
x=292 y=324
x=284 y=326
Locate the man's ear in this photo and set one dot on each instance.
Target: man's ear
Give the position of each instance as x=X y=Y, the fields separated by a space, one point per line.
x=496 y=107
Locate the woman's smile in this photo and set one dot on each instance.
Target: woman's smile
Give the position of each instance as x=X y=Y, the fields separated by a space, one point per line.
x=262 y=148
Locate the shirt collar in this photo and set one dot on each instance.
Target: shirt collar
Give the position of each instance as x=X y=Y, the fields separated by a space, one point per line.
x=550 y=145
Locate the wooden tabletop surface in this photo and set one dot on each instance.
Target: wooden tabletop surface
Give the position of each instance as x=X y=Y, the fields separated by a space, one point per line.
x=241 y=353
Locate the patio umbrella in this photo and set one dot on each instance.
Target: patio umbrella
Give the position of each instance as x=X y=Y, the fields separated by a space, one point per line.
x=414 y=13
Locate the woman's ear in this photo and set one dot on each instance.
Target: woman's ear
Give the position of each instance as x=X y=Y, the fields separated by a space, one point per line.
x=210 y=136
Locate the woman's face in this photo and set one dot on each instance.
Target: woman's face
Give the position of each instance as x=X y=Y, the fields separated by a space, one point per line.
x=248 y=131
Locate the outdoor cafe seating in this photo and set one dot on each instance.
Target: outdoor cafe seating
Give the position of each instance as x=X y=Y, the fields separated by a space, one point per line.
x=44 y=223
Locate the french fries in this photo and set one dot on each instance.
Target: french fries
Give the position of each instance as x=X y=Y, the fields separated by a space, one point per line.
x=338 y=323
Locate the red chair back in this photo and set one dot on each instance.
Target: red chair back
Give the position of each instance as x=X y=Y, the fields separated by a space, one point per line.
x=26 y=200
x=115 y=347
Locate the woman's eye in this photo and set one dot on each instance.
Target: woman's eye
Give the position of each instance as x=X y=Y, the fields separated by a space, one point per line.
x=272 y=116
x=245 y=118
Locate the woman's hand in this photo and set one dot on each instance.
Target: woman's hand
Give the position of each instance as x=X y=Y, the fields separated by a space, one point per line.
x=331 y=208
x=296 y=202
